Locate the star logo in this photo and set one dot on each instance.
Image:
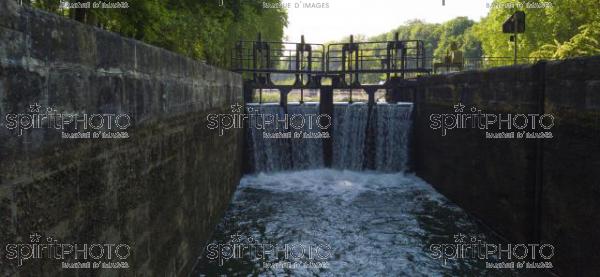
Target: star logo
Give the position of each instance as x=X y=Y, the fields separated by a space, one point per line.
x=35 y=237
x=236 y=108
x=35 y=108
x=459 y=238
x=235 y=238
x=459 y=107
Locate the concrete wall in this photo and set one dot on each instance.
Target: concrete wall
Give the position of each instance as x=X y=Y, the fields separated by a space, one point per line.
x=526 y=189
x=161 y=191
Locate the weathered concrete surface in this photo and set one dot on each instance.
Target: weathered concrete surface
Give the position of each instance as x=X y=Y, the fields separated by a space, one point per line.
x=526 y=191
x=570 y=206
x=160 y=191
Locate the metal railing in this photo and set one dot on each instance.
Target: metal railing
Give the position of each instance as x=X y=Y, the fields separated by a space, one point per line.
x=307 y=63
x=438 y=65
x=350 y=64
x=278 y=57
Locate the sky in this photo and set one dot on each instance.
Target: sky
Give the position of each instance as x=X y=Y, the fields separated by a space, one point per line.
x=336 y=19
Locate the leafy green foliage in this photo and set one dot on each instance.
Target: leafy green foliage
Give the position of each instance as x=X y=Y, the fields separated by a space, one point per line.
x=200 y=29
x=586 y=42
x=437 y=38
x=205 y=30
x=554 y=29
x=564 y=28
x=458 y=31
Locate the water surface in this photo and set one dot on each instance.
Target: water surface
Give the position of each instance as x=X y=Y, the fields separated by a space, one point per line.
x=355 y=223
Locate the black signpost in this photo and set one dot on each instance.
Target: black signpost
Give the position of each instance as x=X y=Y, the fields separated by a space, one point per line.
x=513 y=25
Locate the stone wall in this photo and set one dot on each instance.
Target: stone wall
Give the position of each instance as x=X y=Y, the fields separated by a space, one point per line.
x=528 y=190
x=570 y=210
x=161 y=191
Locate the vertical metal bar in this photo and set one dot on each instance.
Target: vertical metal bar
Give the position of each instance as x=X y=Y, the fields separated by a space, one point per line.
x=268 y=61
x=515 y=48
x=356 y=61
x=351 y=76
x=350 y=65
x=371 y=94
x=254 y=62
x=327 y=60
x=361 y=56
x=296 y=77
x=395 y=52
x=248 y=91
x=388 y=63
x=323 y=58
x=418 y=54
x=326 y=108
x=301 y=68
x=403 y=61
x=424 y=55
x=283 y=93
x=515 y=20
x=344 y=58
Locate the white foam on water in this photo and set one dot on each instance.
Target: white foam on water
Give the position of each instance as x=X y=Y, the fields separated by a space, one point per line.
x=376 y=224
x=307 y=153
x=392 y=133
x=352 y=126
x=268 y=154
x=349 y=135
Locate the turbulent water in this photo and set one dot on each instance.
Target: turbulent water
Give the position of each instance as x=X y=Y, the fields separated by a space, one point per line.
x=391 y=136
x=276 y=154
x=370 y=224
x=349 y=135
x=364 y=217
x=268 y=154
x=306 y=153
x=362 y=138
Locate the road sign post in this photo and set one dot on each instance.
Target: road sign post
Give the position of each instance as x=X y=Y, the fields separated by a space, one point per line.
x=514 y=25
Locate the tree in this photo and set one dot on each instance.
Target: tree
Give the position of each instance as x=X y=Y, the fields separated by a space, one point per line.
x=586 y=42
x=458 y=30
x=202 y=30
x=553 y=29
